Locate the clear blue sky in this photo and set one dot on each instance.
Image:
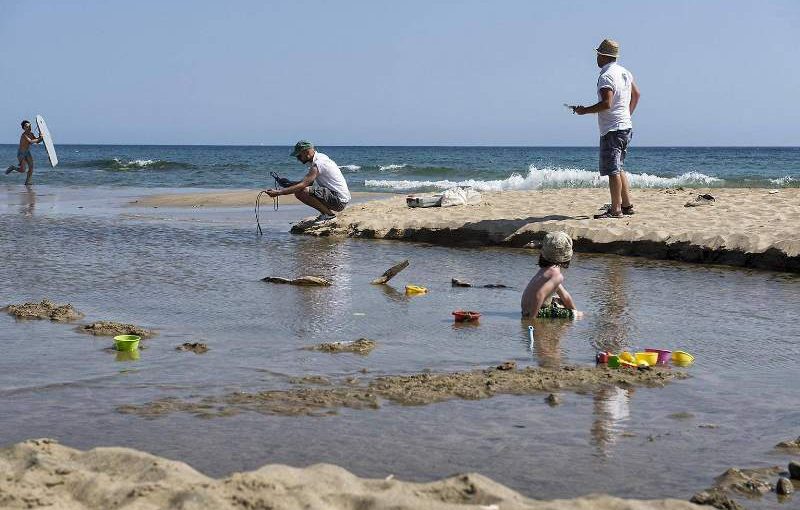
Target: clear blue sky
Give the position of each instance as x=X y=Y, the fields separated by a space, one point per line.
x=395 y=72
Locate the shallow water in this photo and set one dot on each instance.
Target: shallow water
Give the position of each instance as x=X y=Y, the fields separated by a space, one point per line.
x=194 y=275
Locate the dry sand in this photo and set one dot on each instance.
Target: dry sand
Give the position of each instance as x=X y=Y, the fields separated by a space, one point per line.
x=743 y=227
x=43 y=473
x=233 y=198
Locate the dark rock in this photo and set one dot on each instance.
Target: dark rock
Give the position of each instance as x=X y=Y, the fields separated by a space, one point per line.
x=553 y=400
x=794 y=470
x=508 y=365
x=458 y=283
x=784 y=486
x=717 y=499
x=789 y=444
x=195 y=347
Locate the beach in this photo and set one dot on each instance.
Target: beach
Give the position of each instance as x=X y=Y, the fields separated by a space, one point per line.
x=425 y=400
x=754 y=228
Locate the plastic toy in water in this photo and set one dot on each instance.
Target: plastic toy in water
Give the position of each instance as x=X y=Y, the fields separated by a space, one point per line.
x=466 y=316
x=626 y=364
x=642 y=365
x=126 y=342
x=663 y=355
x=682 y=358
x=415 y=289
x=602 y=357
x=651 y=358
x=530 y=337
x=627 y=356
x=613 y=361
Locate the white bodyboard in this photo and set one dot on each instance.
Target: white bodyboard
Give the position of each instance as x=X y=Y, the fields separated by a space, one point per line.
x=47 y=139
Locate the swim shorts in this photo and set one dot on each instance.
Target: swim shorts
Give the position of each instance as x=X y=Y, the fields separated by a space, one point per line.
x=26 y=154
x=329 y=198
x=613 y=148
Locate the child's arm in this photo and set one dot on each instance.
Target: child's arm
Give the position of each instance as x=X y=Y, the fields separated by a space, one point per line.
x=566 y=298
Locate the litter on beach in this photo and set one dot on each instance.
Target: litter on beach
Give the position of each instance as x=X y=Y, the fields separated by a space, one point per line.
x=415 y=289
x=466 y=316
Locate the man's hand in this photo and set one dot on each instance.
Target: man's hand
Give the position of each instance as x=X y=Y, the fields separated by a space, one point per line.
x=273 y=192
x=580 y=110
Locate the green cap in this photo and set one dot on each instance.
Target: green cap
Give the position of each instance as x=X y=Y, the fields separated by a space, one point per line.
x=301 y=146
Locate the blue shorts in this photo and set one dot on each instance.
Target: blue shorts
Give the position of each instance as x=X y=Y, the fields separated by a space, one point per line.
x=26 y=154
x=613 y=148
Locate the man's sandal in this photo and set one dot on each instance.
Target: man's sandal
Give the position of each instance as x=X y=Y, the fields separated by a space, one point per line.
x=608 y=214
x=628 y=210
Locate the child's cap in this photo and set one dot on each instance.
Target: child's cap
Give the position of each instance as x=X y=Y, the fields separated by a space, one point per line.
x=557 y=247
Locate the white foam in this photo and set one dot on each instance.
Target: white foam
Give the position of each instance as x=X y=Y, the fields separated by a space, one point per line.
x=550 y=178
x=351 y=168
x=783 y=181
x=140 y=163
x=385 y=168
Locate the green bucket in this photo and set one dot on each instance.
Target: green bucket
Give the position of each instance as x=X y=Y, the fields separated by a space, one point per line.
x=126 y=342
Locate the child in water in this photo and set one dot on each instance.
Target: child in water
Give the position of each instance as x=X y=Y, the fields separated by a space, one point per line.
x=545 y=295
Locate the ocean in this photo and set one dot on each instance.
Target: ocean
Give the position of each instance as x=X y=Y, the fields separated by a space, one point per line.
x=403 y=169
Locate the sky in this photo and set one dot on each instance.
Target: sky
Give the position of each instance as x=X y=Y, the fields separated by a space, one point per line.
x=396 y=72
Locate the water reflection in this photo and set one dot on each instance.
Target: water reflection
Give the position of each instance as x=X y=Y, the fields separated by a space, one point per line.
x=614 y=323
x=28 y=203
x=548 y=334
x=611 y=408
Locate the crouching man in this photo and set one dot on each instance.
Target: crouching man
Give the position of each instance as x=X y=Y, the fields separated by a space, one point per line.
x=323 y=187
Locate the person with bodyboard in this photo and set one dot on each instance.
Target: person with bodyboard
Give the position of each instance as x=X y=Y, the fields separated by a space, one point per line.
x=24 y=156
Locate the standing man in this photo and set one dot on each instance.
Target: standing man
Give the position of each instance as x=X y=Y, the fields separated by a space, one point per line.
x=329 y=193
x=24 y=152
x=618 y=96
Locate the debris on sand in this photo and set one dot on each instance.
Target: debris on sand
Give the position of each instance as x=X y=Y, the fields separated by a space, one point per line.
x=553 y=400
x=410 y=390
x=705 y=199
x=45 y=309
x=361 y=346
x=304 y=281
x=195 y=347
x=110 y=328
x=390 y=273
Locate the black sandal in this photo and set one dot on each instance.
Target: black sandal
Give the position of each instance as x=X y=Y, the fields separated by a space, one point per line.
x=628 y=210
x=608 y=214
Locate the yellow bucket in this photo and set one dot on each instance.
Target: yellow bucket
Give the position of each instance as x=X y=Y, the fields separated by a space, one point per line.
x=626 y=356
x=651 y=358
x=682 y=358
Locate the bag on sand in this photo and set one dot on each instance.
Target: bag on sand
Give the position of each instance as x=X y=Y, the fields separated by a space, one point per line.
x=448 y=198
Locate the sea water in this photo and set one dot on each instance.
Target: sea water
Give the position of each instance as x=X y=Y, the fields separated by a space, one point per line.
x=194 y=275
x=402 y=169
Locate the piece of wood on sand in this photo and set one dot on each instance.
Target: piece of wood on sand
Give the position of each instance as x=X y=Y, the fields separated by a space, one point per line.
x=390 y=273
x=306 y=281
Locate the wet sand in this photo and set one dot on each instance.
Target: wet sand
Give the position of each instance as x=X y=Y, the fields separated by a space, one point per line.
x=742 y=227
x=410 y=390
x=234 y=198
x=46 y=473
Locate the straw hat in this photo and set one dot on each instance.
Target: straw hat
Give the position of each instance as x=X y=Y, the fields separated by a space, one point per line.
x=609 y=48
x=557 y=247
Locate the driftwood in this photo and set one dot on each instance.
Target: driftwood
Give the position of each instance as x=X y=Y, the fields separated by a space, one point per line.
x=390 y=273
x=455 y=282
x=307 y=281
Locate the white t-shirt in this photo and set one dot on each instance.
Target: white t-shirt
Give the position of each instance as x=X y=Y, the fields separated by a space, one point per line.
x=330 y=176
x=615 y=77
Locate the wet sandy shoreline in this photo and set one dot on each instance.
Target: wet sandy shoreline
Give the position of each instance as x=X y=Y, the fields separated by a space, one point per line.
x=742 y=227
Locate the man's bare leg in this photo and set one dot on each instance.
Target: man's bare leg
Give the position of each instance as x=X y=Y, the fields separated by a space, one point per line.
x=29 y=178
x=615 y=185
x=310 y=200
x=626 y=190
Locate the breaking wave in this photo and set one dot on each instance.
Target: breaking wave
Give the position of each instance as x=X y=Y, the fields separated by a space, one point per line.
x=550 y=178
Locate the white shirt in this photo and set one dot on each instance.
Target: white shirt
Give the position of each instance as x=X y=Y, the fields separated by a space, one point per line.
x=615 y=77
x=330 y=176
